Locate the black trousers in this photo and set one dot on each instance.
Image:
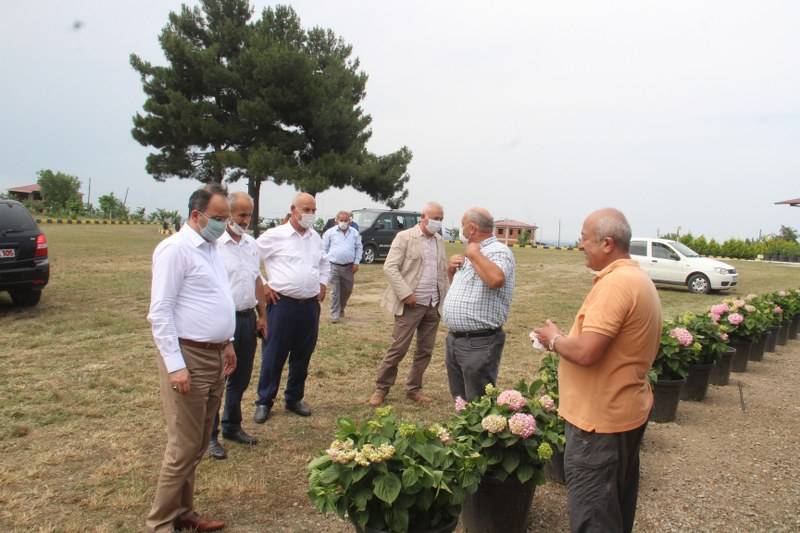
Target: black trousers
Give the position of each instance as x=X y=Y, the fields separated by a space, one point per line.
x=293 y=329
x=244 y=344
x=602 y=471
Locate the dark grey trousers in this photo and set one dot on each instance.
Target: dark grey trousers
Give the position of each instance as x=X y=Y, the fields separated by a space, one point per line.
x=602 y=471
x=472 y=363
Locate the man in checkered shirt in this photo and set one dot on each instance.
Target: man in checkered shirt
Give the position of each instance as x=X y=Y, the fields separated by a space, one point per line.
x=476 y=307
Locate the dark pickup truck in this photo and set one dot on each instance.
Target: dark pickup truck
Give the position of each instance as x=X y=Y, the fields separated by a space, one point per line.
x=24 y=266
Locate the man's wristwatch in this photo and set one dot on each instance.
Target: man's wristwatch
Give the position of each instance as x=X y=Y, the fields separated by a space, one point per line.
x=552 y=345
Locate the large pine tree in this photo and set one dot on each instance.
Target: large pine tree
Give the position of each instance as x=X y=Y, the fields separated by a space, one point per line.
x=261 y=100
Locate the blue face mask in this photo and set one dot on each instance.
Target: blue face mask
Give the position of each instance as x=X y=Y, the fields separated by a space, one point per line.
x=213 y=230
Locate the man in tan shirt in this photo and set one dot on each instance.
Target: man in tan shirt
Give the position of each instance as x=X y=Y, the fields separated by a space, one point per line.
x=416 y=269
x=604 y=395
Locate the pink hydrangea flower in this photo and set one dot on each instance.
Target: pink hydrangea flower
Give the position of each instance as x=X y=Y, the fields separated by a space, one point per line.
x=714 y=318
x=522 y=424
x=735 y=319
x=461 y=404
x=494 y=423
x=720 y=309
x=777 y=310
x=738 y=303
x=512 y=398
x=782 y=293
x=547 y=403
x=682 y=335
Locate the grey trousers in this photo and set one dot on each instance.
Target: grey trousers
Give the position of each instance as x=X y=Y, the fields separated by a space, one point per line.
x=472 y=363
x=341 y=284
x=602 y=471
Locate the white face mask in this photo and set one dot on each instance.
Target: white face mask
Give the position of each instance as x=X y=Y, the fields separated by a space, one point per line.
x=344 y=225
x=237 y=229
x=307 y=220
x=434 y=226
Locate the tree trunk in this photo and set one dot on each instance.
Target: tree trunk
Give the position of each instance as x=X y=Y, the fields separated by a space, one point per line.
x=254 y=190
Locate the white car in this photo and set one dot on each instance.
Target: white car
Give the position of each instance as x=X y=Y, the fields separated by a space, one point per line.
x=672 y=263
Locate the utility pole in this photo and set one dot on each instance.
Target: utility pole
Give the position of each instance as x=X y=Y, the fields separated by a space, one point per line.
x=89 y=195
x=126 y=197
x=559 y=234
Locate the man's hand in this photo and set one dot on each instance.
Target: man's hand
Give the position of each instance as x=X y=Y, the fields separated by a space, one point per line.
x=473 y=249
x=547 y=332
x=180 y=381
x=271 y=296
x=355 y=268
x=410 y=300
x=261 y=326
x=322 y=290
x=228 y=359
x=454 y=264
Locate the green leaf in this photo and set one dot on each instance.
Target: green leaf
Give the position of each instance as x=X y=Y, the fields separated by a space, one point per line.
x=399 y=520
x=387 y=487
x=346 y=426
x=425 y=499
x=525 y=471
x=424 y=450
x=330 y=474
x=359 y=473
x=410 y=476
x=510 y=461
x=361 y=497
x=319 y=461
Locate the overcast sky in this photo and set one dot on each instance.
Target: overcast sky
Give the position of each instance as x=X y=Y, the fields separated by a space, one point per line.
x=680 y=113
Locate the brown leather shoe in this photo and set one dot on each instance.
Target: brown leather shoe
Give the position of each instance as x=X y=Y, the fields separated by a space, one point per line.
x=417 y=396
x=196 y=522
x=377 y=398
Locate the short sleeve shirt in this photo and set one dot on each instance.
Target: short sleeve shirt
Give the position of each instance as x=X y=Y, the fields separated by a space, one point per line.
x=613 y=395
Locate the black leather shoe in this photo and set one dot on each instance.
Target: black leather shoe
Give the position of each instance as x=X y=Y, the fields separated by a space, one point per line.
x=241 y=437
x=299 y=408
x=216 y=450
x=261 y=414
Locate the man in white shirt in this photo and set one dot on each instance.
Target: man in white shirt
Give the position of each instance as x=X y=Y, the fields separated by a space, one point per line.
x=193 y=318
x=416 y=269
x=240 y=255
x=342 y=245
x=297 y=275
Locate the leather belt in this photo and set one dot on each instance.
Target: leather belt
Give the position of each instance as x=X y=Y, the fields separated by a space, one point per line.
x=342 y=264
x=476 y=333
x=298 y=300
x=203 y=345
x=246 y=312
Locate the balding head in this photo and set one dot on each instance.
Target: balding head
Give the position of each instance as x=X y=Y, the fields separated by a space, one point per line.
x=477 y=224
x=303 y=205
x=610 y=223
x=240 y=200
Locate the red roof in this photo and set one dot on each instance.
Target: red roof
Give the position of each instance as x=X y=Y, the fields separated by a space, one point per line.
x=508 y=223
x=796 y=201
x=27 y=189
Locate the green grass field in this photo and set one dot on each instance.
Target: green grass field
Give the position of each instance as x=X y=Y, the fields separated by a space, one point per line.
x=80 y=422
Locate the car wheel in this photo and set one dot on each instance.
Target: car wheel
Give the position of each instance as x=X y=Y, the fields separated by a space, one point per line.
x=699 y=284
x=369 y=254
x=26 y=298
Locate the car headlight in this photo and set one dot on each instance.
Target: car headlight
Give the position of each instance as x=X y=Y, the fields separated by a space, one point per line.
x=720 y=270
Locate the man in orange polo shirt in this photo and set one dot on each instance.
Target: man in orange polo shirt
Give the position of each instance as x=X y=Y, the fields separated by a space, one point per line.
x=604 y=395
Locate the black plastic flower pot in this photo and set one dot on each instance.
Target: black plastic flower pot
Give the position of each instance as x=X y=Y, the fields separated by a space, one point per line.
x=783 y=335
x=772 y=338
x=696 y=383
x=554 y=470
x=447 y=528
x=721 y=372
x=757 y=350
x=498 y=506
x=666 y=395
x=794 y=328
x=739 y=361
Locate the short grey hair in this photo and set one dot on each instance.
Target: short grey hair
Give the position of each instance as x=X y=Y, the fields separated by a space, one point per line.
x=340 y=213
x=234 y=197
x=481 y=218
x=431 y=205
x=612 y=224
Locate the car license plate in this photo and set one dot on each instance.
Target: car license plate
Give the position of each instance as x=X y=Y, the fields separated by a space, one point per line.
x=8 y=253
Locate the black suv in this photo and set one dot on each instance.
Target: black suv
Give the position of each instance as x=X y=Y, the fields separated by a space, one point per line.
x=378 y=228
x=24 y=267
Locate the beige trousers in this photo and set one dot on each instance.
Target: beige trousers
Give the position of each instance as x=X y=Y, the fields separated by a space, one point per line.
x=189 y=421
x=422 y=319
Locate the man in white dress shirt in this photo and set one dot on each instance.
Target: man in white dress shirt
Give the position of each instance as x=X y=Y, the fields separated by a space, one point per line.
x=193 y=318
x=297 y=275
x=240 y=255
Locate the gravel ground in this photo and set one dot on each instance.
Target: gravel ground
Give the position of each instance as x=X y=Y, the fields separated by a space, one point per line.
x=716 y=468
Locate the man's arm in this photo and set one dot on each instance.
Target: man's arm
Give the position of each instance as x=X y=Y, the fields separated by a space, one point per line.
x=391 y=267
x=585 y=349
x=167 y=280
x=261 y=308
x=359 y=248
x=491 y=274
x=326 y=242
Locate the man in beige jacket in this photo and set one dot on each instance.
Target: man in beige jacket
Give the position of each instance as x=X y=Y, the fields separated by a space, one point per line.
x=416 y=268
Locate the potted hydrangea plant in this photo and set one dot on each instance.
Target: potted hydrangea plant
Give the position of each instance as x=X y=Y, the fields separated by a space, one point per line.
x=516 y=430
x=713 y=345
x=730 y=317
x=676 y=352
x=548 y=376
x=385 y=475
